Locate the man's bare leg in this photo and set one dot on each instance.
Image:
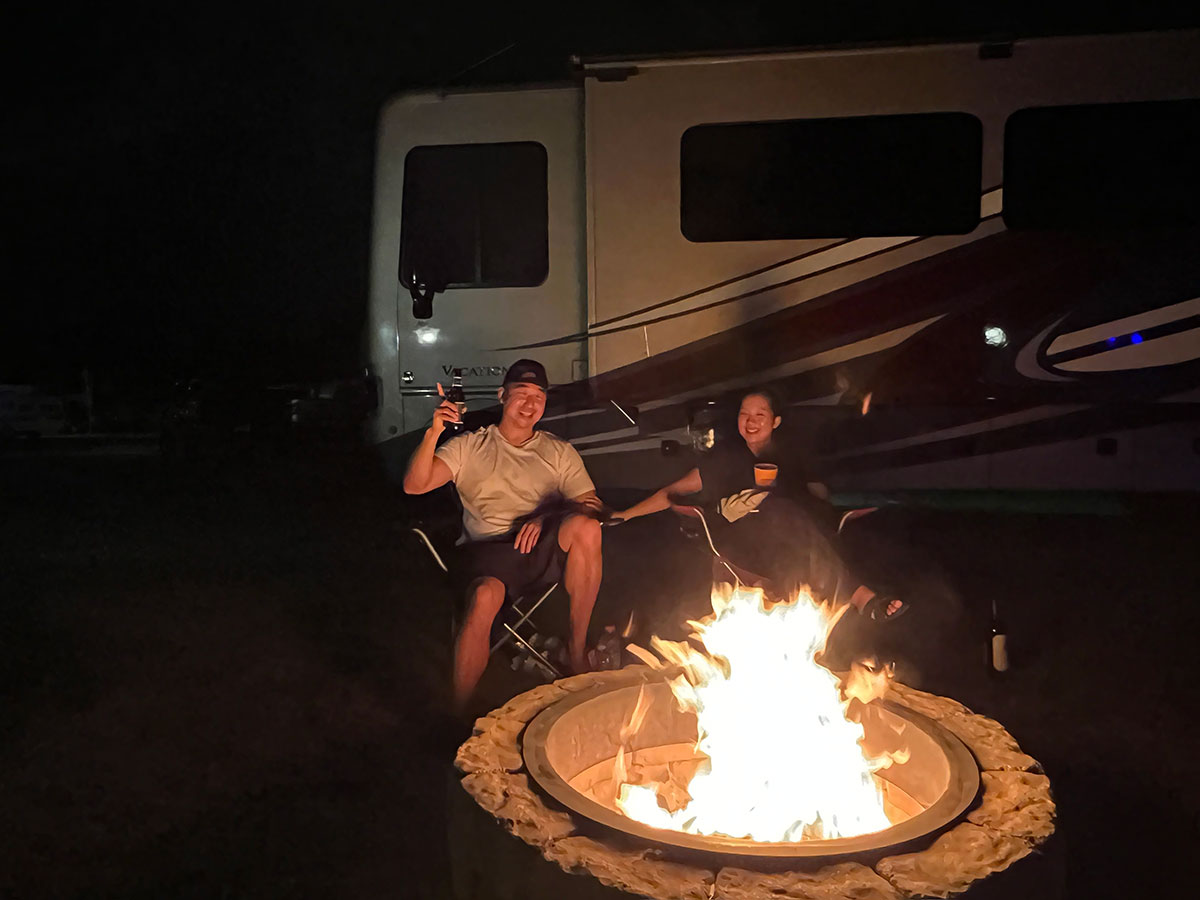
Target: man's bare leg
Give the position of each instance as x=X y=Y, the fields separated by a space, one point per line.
x=579 y=536
x=485 y=596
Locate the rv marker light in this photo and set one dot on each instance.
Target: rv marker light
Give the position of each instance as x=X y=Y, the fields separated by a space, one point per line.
x=994 y=336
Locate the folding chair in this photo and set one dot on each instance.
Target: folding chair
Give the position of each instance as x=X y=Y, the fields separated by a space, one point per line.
x=523 y=629
x=694 y=524
x=695 y=514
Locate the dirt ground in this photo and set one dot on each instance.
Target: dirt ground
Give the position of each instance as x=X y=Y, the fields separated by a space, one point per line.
x=229 y=680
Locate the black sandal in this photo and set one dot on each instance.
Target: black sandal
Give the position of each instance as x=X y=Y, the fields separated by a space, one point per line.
x=875 y=609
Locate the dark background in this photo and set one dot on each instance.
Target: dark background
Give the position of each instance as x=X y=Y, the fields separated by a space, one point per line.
x=188 y=190
x=228 y=678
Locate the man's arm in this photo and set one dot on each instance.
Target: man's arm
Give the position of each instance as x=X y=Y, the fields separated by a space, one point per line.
x=425 y=471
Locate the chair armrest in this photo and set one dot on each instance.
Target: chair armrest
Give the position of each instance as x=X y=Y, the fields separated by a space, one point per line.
x=428 y=544
x=851 y=514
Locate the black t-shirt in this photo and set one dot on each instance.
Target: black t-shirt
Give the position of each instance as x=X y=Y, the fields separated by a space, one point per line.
x=729 y=468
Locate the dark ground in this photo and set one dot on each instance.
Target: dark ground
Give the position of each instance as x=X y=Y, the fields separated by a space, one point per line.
x=226 y=681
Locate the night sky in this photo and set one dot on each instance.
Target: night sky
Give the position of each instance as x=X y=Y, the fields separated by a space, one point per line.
x=190 y=193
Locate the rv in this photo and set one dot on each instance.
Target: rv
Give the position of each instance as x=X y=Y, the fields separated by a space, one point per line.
x=963 y=265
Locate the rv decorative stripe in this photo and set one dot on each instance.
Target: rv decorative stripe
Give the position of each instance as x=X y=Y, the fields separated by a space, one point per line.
x=990 y=212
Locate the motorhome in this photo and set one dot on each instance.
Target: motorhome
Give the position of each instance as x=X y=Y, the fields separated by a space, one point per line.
x=964 y=265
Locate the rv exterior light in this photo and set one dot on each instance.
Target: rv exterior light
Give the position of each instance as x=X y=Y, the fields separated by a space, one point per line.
x=994 y=336
x=426 y=334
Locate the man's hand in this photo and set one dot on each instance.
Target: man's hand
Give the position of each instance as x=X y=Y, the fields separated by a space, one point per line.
x=445 y=412
x=743 y=503
x=527 y=537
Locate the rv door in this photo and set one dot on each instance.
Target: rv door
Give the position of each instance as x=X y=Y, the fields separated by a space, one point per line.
x=478 y=247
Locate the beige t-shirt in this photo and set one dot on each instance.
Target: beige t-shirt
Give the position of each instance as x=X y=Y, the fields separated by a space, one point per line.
x=499 y=483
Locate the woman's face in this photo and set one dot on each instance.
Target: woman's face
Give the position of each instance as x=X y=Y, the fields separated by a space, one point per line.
x=756 y=420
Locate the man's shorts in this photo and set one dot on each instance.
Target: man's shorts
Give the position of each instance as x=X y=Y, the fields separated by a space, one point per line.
x=521 y=572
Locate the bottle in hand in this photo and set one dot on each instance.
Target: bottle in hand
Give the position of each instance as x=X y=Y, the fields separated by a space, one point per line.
x=456 y=395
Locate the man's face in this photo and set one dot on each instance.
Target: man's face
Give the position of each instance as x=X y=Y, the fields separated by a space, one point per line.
x=756 y=421
x=523 y=404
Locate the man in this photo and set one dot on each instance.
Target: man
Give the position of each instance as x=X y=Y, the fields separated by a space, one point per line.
x=525 y=497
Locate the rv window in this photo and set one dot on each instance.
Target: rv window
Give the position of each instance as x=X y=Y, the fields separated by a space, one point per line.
x=1116 y=165
x=475 y=216
x=867 y=176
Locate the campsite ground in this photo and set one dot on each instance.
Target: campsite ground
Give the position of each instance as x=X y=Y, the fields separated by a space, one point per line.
x=228 y=680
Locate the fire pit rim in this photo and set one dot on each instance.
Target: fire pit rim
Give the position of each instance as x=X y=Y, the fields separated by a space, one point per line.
x=958 y=797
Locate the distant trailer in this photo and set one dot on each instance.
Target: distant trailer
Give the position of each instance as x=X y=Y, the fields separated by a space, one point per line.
x=964 y=265
x=27 y=412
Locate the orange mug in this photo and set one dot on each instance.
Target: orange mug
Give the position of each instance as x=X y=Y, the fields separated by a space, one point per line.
x=764 y=474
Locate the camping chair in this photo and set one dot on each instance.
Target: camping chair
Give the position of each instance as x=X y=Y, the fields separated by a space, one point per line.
x=694 y=524
x=515 y=618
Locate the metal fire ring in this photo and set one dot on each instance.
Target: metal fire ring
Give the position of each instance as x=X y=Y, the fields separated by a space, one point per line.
x=959 y=794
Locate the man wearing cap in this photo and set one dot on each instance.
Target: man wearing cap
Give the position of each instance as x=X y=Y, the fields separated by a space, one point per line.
x=526 y=497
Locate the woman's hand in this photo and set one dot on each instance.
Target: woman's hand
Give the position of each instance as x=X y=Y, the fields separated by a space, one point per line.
x=590 y=503
x=741 y=504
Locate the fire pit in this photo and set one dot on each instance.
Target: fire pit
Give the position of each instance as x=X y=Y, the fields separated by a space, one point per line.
x=748 y=770
x=570 y=750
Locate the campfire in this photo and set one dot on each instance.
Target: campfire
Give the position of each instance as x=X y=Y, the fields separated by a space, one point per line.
x=776 y=755
x=736 y=755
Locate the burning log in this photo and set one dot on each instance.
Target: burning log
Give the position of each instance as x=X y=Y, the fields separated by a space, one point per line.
x=781 y=761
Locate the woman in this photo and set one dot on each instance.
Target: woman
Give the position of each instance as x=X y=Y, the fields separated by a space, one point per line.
x=783 y=531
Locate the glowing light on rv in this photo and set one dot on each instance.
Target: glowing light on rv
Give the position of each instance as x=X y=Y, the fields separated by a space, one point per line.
x=994 y=336
x=426 y=335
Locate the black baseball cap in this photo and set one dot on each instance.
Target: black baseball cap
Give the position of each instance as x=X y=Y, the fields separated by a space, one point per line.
x=527 y=371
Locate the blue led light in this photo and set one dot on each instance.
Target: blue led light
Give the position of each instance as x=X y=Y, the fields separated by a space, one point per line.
x=1135 y=338
x=1112 y=340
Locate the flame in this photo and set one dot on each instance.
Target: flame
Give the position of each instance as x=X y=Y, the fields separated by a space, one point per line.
x=780 y=760
x=868 y=680
x=628 y=629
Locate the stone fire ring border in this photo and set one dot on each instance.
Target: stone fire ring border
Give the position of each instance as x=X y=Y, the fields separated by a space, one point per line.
x=1015 y=814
